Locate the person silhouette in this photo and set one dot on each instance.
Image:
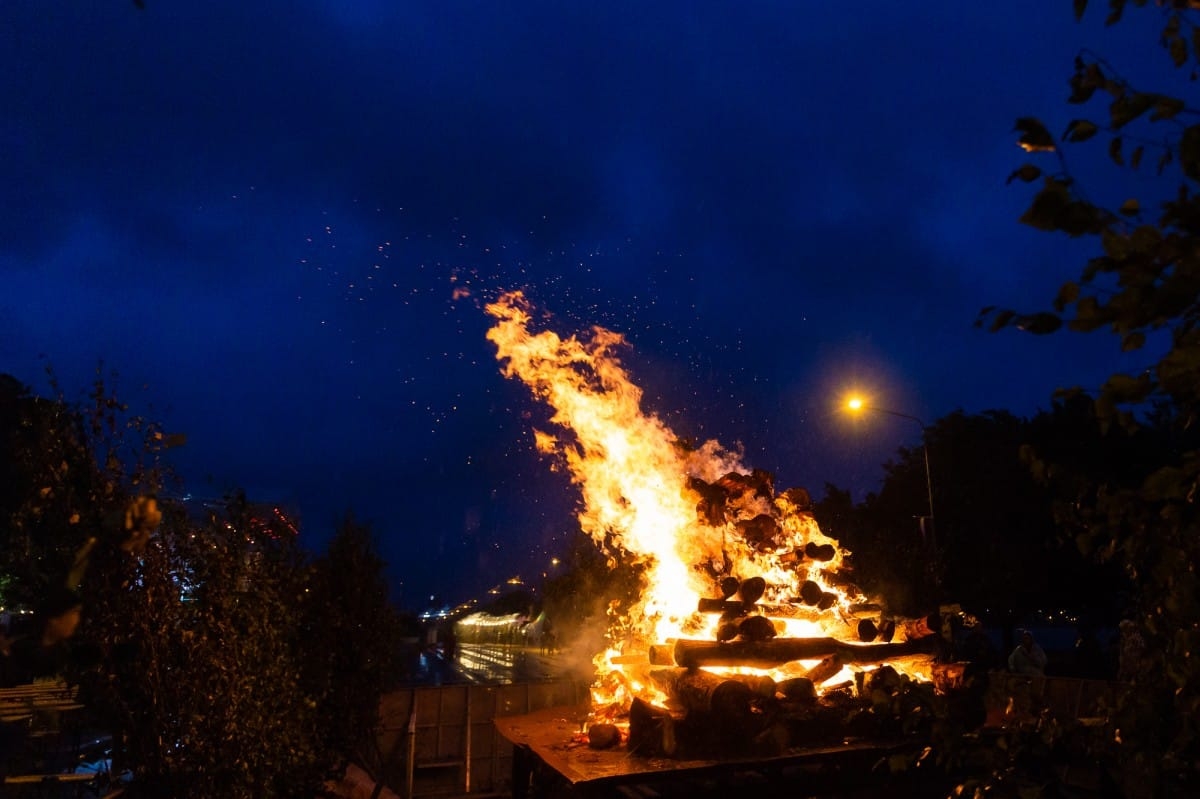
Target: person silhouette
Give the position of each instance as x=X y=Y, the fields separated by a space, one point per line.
x=1028 y=658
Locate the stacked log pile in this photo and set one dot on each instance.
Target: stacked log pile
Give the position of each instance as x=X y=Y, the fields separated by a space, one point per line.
x=712 y=715
x=712 y=712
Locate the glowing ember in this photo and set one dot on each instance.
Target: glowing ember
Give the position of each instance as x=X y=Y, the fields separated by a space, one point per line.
x=700 y=522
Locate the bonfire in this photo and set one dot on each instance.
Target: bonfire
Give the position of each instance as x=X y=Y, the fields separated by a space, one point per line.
x=748 y=612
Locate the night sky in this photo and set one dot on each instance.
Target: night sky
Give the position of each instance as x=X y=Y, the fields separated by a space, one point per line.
x=277 y=224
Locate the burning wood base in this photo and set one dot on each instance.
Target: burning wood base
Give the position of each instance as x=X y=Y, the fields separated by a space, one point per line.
x=720 y=716
x=777 y=651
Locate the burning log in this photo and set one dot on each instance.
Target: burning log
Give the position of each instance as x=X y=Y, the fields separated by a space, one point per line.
x=730 y=606
x=867 y=631
x=821 y=552
x=711 y=507
x=726 y=631
x=751 y=590
x=812 y=594
x=662 y=654
x=775 y=652
x=887 y=629
x=603 y=736
x=828 y=667
x=699 y=691
x=798 y=689
x=761 y=532
x=652 y=730
x=800 y=498
x=864 y=609
x=760 y=483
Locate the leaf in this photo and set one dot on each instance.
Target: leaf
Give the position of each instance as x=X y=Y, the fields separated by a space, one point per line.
x=1080 y=130
x=1026 y=173
x=1135 y=158
x=1114 y=151
x=1132 y=341
x=1127 y=388
x=1166 y=108
x=1080 y=7
x=1189 y=152
x=1085 y=81
x=1131 y=207
x=1034 y=136
x=1127 y=108
x=1115 y=9
x=1066 y=295
x=1001 y=319
x=1163 y=161
x=1088 y=315
x=1178 y=49
x=1048 y=206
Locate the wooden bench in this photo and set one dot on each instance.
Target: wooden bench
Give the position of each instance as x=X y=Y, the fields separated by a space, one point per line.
x=39 y=751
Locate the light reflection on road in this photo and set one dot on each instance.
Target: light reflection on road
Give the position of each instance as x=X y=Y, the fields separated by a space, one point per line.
x=488 y=664
x=501 y=663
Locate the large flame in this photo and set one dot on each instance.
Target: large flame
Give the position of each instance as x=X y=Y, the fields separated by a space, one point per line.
x=641 y=493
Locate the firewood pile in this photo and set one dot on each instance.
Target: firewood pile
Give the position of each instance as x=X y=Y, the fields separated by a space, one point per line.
x=720 y=703
x=748 y=687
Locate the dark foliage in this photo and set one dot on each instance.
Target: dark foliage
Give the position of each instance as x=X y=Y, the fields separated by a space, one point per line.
x=1142 y=285
x=224 y=661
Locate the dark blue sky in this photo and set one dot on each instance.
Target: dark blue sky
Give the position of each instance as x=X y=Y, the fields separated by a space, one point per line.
x=257 y=213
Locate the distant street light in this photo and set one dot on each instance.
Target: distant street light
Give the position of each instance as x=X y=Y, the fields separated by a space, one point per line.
x=856 y=405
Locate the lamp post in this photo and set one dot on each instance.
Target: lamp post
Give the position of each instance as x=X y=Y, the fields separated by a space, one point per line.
x=856 y=405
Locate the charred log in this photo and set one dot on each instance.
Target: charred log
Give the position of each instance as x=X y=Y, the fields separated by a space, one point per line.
x=762 y=686
x=755 y=628
x=867 y=631
x=811 y=593
x=751 y=590
x=887 y=630
x=821 y=552
x=798 y=689
x=760 y=483
x=761 y=532
x=603 y=736
x=800 y=498
x=710 y=509
x=728 y=630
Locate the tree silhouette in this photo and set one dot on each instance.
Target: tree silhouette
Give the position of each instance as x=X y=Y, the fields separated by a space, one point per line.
x=1142 y=285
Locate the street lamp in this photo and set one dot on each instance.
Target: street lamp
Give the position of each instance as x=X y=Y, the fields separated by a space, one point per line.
x=856 y=405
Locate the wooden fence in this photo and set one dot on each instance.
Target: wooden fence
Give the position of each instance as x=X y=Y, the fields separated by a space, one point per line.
x=440 y=740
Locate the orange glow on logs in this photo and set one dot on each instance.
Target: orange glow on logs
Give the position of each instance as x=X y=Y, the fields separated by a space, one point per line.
x=635 y=481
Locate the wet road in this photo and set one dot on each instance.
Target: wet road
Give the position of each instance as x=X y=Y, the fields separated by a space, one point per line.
x=485 y=664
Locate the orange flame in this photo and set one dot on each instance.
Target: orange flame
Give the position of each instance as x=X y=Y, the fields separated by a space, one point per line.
x=638 y=490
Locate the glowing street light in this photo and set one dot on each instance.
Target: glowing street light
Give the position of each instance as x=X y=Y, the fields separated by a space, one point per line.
x=856 y=404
